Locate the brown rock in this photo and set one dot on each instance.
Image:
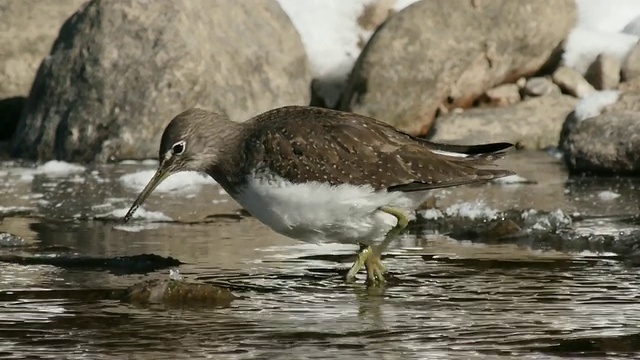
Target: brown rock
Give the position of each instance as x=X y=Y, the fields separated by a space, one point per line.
x=120 y=70
x=540 y=86
x=535 y=123
x=503 y=95
x=433 y=52
x=571 y=82
x=631 y=67
x=604 y=72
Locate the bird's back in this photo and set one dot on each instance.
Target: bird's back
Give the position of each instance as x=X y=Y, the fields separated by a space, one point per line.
x=307 y=144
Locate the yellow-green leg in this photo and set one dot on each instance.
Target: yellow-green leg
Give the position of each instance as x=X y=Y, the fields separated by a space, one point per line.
x=370 y=256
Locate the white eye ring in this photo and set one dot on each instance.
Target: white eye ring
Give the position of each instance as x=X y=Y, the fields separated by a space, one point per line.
x=179 y=147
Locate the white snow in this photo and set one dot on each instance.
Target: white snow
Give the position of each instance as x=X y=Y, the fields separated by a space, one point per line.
x=592 y=105
x=602 y=28
x=140 y=214
x=330 y=33
x=186 y=181
x=608 y=195
x=511 y=179
x=59 y=168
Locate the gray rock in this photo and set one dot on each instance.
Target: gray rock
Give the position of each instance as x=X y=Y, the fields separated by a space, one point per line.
x=503 y=95
x=26 y=36
x=604 y=72
x=27 y=31
x=571 y=82
x=631 y=66
x=119 y=71
x=540 y=86
x=534 y=123
x=434 y=52
x=603 y=145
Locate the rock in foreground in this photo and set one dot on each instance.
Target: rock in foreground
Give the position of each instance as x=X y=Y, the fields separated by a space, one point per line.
x=120 y=70
x=450 y=52
x=177 y=293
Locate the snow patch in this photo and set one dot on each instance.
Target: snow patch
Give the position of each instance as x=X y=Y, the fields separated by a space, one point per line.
x=608 y=195
x=332 y=38
x=59 y=168
x=593 y=104
x=511 y=179
x=140 y=214
x=602 y=28
x=186 y=181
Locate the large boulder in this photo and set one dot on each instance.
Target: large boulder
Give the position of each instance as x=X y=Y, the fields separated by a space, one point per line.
x=28 y=28
x=534 y=123
x=450 y=52
x=120 y=70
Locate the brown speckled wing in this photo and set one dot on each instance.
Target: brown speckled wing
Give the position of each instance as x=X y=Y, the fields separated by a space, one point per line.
x=311 y=144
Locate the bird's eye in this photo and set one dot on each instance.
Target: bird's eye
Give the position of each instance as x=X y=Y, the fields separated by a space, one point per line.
x=178 y=148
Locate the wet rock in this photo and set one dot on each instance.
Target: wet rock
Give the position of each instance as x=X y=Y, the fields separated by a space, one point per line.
x=503 y=229
x=571 y=82
x=604 y=72
x=631 y=66
x=119 y=71
x=178 y=293
x=503 y=95
x=457 y=51
x=535 y=123
x=27 y=31
x=599 y=137
x=540 y=86
x=600 y=346
x=136 y=264
x=606 y=144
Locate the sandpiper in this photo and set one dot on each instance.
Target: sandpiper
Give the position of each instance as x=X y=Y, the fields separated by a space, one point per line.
x=320 y=175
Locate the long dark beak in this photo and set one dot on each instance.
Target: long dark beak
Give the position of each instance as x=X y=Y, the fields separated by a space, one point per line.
x=161 y=174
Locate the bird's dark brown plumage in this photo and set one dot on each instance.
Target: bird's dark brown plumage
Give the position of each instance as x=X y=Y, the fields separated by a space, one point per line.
x=304 y=144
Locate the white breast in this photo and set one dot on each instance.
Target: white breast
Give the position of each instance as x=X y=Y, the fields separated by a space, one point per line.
x=317 y=212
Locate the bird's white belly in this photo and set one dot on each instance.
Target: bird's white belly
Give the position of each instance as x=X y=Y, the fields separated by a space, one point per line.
x=317 y=212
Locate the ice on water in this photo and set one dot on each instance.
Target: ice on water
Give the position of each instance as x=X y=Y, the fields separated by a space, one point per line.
x=187 y=181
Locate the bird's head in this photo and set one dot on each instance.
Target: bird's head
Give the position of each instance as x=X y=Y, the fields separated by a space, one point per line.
x=191 y=142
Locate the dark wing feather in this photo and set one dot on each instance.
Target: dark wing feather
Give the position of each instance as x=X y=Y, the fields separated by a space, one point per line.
x=311 y=144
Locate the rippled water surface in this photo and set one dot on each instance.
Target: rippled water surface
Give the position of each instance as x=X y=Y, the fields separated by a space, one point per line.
x=449 y=297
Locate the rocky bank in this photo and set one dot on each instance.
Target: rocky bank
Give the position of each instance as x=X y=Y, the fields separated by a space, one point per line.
x=101 y=79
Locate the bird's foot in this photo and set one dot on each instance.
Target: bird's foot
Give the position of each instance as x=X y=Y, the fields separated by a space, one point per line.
x=363 y=255
x=370 y=258
x=375 y=269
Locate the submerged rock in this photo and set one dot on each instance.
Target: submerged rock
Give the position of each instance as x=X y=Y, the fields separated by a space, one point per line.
x=177 y=293
x=448 y=52
x=120 y=70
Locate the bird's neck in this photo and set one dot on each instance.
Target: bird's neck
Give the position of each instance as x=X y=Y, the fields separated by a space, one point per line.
x=231 y=166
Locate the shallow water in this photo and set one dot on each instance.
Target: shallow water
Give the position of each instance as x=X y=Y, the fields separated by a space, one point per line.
x=450 y=297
